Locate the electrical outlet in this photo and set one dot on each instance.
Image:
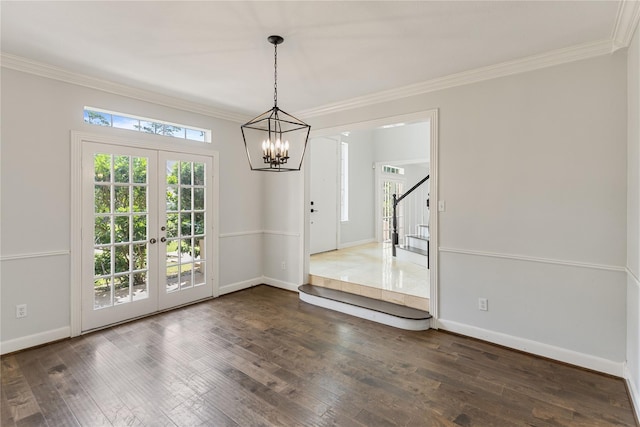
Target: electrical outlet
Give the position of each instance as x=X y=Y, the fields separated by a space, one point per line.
x=483 y=304
x=284 y=265
x=21 y=311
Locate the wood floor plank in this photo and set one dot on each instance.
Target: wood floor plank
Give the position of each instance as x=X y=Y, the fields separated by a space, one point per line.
x=74 y=395
x=211 y=415
x=51 y=403
x=261 y=357
x=6 y=415
x=21 y=402
x=99 y=388
x=142 y=397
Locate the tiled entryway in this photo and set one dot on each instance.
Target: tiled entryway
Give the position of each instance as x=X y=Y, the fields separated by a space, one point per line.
x=372 y=271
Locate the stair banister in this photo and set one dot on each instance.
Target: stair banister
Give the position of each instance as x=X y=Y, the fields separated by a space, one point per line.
x=396 y=200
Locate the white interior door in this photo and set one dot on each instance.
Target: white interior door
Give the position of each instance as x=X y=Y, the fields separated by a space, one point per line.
x=146 y=242
x=323 y=154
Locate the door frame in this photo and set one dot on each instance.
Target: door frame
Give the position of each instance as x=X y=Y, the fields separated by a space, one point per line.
x=428 y=115
x=157 y=143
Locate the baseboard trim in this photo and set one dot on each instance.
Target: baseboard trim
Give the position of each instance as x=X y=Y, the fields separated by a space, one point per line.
x=280 y=284
x=534 y=347
x=367 y=314
x=34 y=340
x=238 y=286
x=633 y=391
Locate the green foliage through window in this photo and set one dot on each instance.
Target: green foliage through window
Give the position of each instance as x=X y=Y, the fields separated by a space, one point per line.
x=98 y=117
x=120 y=230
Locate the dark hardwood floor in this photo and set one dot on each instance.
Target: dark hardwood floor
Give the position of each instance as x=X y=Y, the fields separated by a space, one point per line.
x=262 y=357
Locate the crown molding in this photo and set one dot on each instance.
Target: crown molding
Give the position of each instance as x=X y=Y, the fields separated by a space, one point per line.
x=530 y=63
x=626 y=23
x=627 y=15
x=25 y=65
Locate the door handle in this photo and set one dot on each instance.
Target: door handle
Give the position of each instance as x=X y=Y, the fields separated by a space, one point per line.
x=314 y=210
x=163 y=239
x=152 y=241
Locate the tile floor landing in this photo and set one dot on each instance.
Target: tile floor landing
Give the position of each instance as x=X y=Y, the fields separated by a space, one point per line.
x=370 y=270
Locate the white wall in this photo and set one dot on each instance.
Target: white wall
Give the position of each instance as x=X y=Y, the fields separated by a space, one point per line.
x=360 y=226
x=282 y=218
x=633 y=220
x=37 y=117
x=402 y=143
x=533 y=171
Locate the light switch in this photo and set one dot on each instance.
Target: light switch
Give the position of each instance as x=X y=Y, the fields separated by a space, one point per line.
x=440 y=205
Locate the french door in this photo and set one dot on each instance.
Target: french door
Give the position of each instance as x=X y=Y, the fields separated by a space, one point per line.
x=146 y=240
x=390 y=187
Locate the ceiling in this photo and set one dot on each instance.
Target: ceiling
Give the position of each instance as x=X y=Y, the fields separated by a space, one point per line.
x=216 y=53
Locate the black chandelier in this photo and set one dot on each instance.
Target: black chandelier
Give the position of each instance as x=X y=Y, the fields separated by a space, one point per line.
x=275 y=141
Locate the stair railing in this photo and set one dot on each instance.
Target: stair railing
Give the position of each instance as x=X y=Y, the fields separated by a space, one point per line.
x=396 y=200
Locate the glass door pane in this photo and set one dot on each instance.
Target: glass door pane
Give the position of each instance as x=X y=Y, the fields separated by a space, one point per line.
x=117 y=250
x=389 y=188
x=185 y=221
x=148 y=239
x=120 y=229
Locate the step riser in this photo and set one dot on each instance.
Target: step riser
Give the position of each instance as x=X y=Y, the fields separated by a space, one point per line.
x=422 y=231
x=363 y=313
x=413 y=257
x=417 y=243
x=387 y=313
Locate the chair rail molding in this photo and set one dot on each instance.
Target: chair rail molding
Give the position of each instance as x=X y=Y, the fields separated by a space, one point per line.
x=29 y=255
x=533 y=259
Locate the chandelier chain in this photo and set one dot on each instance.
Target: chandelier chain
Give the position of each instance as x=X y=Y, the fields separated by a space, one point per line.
x=275 y=75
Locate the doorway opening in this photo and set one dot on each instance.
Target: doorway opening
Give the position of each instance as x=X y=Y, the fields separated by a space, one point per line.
x=385 y=157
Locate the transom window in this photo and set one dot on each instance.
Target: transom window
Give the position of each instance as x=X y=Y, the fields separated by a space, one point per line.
x=392 y=170
x=96 y=116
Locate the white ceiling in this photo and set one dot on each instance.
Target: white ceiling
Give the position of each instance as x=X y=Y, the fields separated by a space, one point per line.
x=216 y=53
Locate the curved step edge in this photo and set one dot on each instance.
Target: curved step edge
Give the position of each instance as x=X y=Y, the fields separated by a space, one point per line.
x=365 y=313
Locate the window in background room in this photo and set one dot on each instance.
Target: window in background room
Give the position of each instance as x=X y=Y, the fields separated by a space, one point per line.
x=344 y=181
